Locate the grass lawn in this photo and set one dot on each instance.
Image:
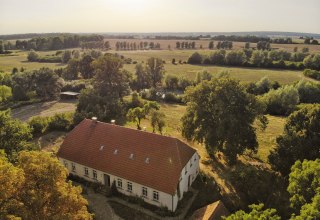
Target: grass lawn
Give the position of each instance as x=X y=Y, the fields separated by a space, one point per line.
x=19 y=59
x=174 y=112
x=126 y=212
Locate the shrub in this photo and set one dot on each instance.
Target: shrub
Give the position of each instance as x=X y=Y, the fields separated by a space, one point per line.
x=32 y=56
x=74 y=86
x=218 y=57
x=195 y=58
x=312 y=74
x=39 y=125
x=282 y=101
x=172 y=98
x=61 y=121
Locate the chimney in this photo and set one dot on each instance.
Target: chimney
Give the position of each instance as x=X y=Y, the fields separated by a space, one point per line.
x=144 y=128
x=94 y=119
x=113 y=121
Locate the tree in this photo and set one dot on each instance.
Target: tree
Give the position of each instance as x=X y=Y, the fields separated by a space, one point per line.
x=155 y=70
x=32 y=56
x=195 y=58
x=143 y=80
x=1 y=47
x=220 y=114
x=171 y=82
x=263 y=45
x=178 y=45
x=304 y=189
x=300 y=140
x=14 y=135
x=23 y=83
x=48 y=83
x=41 y=190
x=305 y=50
x=157 y=121
x=282 y=101
x=256 y=213
x=247 y=45
x=66 y=56
x=217 y=57
x=107 y=45
x=5 y=93
x=211 y=45
x=110 y=79
x=136 y=115
x=71 y=72
x=258 y=58
x=85 y=66
x=235 y=58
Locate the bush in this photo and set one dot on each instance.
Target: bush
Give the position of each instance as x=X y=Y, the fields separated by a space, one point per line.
x=172 y=98
x=32 y=56
x=39 y=125
x=314 y=74
x=61 y=122
x=195 y=58
x=74 y=86
x=282 y=101
x=218 y=57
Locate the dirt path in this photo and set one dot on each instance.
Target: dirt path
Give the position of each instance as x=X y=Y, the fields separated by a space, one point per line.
x=43 y=109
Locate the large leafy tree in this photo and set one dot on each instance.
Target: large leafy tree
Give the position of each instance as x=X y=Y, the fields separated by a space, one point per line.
x=300 y=139
x=221 y=114
x=155 y=70
x=48 y=83
x=110 y=78
x=85 y=66
x=5 y=93
x=304 y=189
x=110 y=84
x=256 y=213
x=14 y=135
x=39 y=189
x=143 y=79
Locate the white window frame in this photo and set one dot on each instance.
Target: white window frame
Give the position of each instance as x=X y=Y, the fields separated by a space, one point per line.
x=155 y=196
x=94 y=174
x=129 y=186
x=86 y=171
x=73 y=167
x=119 y=183
x=145 y=192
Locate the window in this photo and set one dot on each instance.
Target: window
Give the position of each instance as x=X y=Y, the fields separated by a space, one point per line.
x=195 y=157
x=155 y=196
x=120 y=183
x=86 y=171
x=94 y=172
x=129 y=187
x=73 y=167
x=186 y=171
x=190 y=163
x=65 y=163
x=144 y=192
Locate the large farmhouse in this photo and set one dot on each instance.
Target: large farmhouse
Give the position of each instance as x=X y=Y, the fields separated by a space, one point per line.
x=157 y=168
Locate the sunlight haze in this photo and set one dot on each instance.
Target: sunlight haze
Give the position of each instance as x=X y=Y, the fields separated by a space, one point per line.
x=158 y=16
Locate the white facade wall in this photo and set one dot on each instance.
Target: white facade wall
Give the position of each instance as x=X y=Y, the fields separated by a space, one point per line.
x=189 y=174
x=165 y=199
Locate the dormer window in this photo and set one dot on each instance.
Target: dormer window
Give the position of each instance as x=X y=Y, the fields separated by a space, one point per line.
x=101 y=147
x=147 y=160
x=115 y=151
x=131 y=156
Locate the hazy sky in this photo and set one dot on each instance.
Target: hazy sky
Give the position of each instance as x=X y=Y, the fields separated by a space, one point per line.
x=28 y=16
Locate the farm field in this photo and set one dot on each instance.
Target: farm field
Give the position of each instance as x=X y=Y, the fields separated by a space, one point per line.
x=164 y=44
x=19 y=59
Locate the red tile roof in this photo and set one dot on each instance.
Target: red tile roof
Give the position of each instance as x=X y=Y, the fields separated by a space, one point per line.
x=167 y=155
x=213 y=211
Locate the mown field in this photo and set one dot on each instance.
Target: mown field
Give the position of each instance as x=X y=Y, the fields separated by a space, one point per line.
x=19 y=59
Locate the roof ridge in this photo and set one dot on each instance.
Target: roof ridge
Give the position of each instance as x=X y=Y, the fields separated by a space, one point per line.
x=128 y=128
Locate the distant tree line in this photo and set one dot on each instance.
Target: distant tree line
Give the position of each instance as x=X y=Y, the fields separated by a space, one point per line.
x=62 y=42
x=185 y=45
x=142 y=45
x=311 y=41
x=258 y=58
x=248 y=38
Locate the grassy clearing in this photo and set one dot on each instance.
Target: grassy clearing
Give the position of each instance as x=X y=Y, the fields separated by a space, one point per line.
x=19 y=59
x=173 y=112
